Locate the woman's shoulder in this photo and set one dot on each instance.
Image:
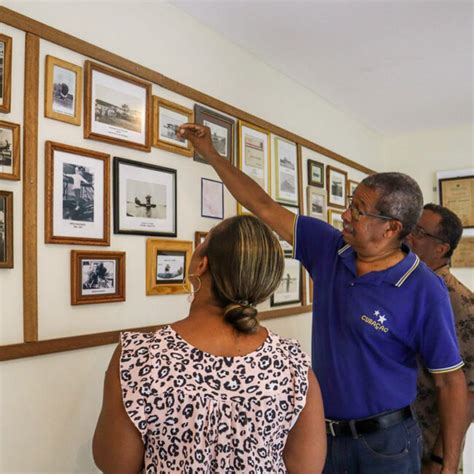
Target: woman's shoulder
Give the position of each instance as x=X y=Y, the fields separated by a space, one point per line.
x=291 y=350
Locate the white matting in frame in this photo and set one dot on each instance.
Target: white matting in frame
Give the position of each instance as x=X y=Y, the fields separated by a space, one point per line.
x=212 y=199
x=289 y=289
x=286 y=170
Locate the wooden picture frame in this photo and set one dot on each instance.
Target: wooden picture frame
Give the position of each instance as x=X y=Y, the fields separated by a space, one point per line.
x=286 y=171
x=335 y=218
x=212 y=199
x=292 y=276
x=10 y=155
x=457 y=194
x=316 y=203
x=63 y=91
x=254 y=156
x=77 y=195
x=351 y=187
x=145 y=199
x=167 y=117
x=315 y=171
x=97 y=277
x=167 y=263
x=117 y=108
x=5 y=73
x=222 y=132
x=199 y=237
x=6 y=229
x=336 y=180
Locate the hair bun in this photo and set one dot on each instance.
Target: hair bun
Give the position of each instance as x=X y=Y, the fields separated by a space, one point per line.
x=242 y=316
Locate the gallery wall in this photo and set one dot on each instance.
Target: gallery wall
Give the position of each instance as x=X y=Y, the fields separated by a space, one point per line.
x=51 y=402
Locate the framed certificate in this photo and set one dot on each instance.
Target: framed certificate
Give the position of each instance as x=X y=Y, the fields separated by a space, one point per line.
x=457 y=194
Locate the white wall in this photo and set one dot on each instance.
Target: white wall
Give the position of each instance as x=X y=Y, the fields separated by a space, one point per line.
x=49 y=404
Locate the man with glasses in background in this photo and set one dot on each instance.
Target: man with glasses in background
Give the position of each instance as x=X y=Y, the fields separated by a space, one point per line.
x=434 y=240
x=375 y=307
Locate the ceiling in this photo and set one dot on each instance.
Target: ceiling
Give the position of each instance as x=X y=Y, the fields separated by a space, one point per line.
x=397 y=66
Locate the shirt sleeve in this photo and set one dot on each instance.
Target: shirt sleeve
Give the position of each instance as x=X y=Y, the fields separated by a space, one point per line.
x=314 y=241
x=438 y=343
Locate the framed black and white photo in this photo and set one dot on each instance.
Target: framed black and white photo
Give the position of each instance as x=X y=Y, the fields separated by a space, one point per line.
x=316 y=202
x=117 y=107
x=5 y=73
x=77 y=196
x=335 y=219
x=286 y=171
x=286 y=246
x=6 y=229
x=97 y=277
x=212 y=199
x=222 y=131
x=9 y=150
x=336 y=187
x=63 y=91
x=289 y=289
x=315 y=173
x=144 y=199
x=167 y=263
x=351 y=187
x=167 y=118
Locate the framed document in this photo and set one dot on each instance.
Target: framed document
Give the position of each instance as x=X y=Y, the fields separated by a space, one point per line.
x=286 y=171
x=254 y=156
x=337 y=187
x=212 y=198
x=457 y=194
x=463 y=256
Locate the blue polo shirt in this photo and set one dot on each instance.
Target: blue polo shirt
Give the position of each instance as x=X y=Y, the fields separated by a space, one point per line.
x=368 y=330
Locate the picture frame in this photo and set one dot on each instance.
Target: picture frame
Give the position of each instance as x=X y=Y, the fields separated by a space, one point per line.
x=463 y=256
x=289 y=289
x=351 y=187
x=286 y=171
x=5 y=73
x=199 y=238
x=10 y=155
x=97 y=277
x=77 y=195
x=167 y=263
x=316 y=203
x=457 y=194
x=315 y=173
x=167 y=118
x=286 y=246
x=254 y=156
x=145 y=199
x=222 y=132
x=335 y=219
x=117 y=108
x=63 y=91
x=336 y=187
x=212 y=198
x=6 y=229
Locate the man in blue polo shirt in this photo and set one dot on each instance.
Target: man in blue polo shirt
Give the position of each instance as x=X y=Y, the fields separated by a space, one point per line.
x=376 y=306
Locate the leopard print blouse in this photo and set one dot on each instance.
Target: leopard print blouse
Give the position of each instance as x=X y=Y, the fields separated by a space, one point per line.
x=198 y=413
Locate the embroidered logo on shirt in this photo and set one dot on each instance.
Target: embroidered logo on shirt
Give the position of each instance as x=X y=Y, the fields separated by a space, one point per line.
x=377 y=321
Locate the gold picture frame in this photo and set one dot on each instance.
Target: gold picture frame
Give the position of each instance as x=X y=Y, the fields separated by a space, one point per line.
x=167 y=117
x=59 y=102
x=9 y=151
x=457 y=194
x=97 y=277
x=167 y=263
x=6 y=79
x=335 y=218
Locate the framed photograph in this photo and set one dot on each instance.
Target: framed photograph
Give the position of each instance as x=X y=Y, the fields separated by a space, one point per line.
x=289 y=289
x=117 y=108
x=77 y=196
x=335 y=219
x=167 y=118
x=6 y=229
x=9 y=150
x=254 y=156
x=286 y=171
x=285 y=246
x=457 y=194
x=316 y=206
x=315 y=173
x=144 y=199
x=199 y=237
x=351 y=187
x=97 y=277
x=222 y=131
x=336 y=187
x=167 y=263
x=212 y=199
x=63 y=91
x=5 y=73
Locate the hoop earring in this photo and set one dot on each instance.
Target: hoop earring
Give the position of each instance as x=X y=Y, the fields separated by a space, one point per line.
x=193 y=291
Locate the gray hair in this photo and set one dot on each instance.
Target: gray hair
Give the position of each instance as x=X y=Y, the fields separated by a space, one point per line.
x=399 y=197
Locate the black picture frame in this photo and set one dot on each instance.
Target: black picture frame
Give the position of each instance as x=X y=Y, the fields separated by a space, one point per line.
x=220 y=215
x=143 y=224
x=315 y=164
x=202 y=114
x=275 y=302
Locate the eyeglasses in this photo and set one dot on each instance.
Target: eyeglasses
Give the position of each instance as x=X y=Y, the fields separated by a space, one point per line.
x=356 y=213
x=419 y=233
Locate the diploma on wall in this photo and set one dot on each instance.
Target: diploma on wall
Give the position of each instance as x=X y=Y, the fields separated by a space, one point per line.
x=457 y=194
x=464 y=254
